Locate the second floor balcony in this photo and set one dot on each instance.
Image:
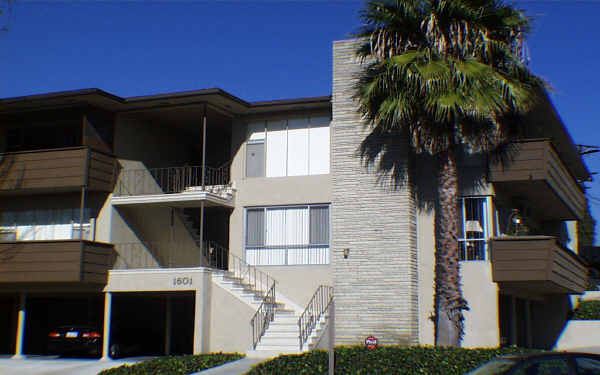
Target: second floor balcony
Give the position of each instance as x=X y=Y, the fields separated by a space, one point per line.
x=56 y=261
x=176 y=186
x=537 y=174
x=56 y=170
x=536 y=265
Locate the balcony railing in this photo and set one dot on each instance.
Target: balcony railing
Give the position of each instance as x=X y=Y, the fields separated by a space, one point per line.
x=65 y=169
x=288 y=254
x=59 y=261
x=537 y=174
x=171 y=180
x=537 y=264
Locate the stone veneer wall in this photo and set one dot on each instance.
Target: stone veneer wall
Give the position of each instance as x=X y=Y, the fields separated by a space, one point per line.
x=376 y=287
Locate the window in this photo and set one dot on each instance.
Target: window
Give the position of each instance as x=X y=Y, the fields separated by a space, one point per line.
x=474 y=228
x=51 y=224
x=544 y=366
x=287 y=235
x=587 y=366
x=295 y=147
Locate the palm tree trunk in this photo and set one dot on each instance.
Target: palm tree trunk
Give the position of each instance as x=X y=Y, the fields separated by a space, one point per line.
x=448 y=300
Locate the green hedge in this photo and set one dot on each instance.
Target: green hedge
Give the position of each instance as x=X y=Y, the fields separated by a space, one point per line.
x=179 y=365
x=355 y=360
x=587 y=310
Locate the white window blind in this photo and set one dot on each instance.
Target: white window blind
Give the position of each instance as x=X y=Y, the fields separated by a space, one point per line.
x=298 y=147
x=319 y=146
x=292 y=235
x=293 y=147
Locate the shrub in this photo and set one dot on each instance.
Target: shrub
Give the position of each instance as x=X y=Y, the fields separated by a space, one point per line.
x=355 y=360
x=587 y=310
x=179 y=365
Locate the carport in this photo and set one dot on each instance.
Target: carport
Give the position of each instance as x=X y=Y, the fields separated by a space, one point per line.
x=48 y=312
x=153 y=323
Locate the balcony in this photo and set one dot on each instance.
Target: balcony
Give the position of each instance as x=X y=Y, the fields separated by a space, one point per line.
x=55 y=261
x=536 y=265
x=537 y=175
x=175 y=186
x=56 y=170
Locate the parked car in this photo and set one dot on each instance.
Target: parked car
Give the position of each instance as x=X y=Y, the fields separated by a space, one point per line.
x=75 y=339
x=551 y=363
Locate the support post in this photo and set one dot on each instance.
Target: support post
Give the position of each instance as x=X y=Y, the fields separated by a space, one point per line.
x=203 y=184
x=106 y=331
x=528 y=323
x=204 y=148
x=202 y=253
x=168 y=326
x=513 y=321
x=20 y=327
x=81 y=211
x=198 y=322
x=332 y=337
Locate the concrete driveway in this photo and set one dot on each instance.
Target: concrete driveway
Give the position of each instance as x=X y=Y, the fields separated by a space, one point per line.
x=53 y=365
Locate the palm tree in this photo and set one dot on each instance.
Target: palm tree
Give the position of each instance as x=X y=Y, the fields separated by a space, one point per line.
x=448 y=77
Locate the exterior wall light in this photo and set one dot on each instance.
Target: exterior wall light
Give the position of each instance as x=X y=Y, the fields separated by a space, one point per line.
x=346 y=253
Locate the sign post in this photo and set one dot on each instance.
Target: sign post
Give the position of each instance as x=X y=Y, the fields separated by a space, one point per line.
x=332 y=337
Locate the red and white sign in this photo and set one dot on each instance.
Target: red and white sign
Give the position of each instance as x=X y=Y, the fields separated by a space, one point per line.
x=371 y=343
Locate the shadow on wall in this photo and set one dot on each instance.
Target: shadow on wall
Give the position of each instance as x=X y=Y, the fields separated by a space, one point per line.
x=388 y=154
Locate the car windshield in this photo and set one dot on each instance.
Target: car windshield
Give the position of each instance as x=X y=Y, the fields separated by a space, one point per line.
x=494 y=367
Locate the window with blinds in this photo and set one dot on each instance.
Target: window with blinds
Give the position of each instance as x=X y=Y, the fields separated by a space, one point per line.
x=294 y=147
x=287 y=235
x=46 y=224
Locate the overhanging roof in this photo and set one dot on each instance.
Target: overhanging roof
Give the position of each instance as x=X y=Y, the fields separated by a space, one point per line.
x=110 y=102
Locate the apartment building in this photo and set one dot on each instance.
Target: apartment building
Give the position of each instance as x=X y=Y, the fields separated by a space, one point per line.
x=196 y=221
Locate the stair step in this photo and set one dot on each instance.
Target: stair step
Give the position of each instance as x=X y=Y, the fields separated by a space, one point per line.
x=285 y=342
x=288 y=334
x=270 y=352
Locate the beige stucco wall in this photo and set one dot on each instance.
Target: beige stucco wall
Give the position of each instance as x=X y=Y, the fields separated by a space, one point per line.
x=426 y=260
x=230 y=328
x=481 y=320
x=297 y=283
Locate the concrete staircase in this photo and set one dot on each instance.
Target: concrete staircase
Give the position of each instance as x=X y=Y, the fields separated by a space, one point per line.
x=282 y=336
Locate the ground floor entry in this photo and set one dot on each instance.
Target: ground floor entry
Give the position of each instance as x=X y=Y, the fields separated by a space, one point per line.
x=140 y=323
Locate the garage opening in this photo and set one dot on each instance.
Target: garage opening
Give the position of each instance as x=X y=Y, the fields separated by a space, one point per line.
x=47 y=313
x=8 y=324
x=152 y=323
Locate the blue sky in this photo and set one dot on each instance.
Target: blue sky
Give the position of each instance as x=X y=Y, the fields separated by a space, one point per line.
x=258 y=50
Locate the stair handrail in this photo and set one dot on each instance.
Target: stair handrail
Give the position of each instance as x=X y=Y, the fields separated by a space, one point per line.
x=218 y=257
x=264 y=315
x=316 y=307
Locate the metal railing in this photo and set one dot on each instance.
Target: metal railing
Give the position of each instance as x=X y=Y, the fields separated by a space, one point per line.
x=316 y=307
x=288 y=254
x=215 y=255
x=171 y=180
x=264 y=316
x=250 y=277
x=165 y=254
x=170 y=254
